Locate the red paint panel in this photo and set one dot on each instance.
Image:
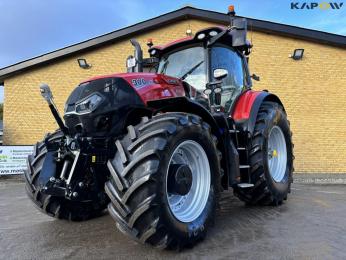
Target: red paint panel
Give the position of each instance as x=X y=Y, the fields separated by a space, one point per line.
x=150 y=86
x=156 y=86
x=244 y=104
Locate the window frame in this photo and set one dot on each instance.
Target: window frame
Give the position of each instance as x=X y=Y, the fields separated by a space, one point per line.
x=246 y=78
x=189 y=46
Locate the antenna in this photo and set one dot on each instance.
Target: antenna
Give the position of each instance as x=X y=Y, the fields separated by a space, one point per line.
x=188 y=31
x=251 y=33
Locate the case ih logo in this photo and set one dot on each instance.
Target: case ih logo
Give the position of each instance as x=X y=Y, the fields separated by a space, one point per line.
x=315 y=5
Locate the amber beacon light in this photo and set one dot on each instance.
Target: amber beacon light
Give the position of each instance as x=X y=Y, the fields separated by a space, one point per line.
x=231 y=10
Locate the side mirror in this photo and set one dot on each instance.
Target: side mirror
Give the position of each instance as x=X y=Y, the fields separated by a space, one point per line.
x=220 y=73
x=131 y=63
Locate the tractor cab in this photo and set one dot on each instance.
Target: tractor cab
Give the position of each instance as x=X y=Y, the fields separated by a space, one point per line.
x=212 y=64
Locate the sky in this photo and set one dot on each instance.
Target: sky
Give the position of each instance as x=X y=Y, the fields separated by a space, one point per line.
x=33 y=27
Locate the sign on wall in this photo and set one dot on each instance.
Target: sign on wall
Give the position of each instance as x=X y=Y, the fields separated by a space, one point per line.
x=13 y=159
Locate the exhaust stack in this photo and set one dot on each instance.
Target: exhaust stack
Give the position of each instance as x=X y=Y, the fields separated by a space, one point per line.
x=135 y=64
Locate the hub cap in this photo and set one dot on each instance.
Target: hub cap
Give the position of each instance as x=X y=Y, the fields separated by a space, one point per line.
x=179 y=179
x=277 y=154
x=188 y=207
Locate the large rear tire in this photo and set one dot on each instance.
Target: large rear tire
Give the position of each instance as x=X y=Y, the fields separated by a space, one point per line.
x=143 y=202
x=270 y=158
x=57 y=207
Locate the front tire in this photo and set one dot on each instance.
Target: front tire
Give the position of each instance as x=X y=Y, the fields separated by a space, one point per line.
x=270 y=158
x=143 y=202
x=57 y=207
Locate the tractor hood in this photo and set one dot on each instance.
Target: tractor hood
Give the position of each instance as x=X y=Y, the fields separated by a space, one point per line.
x=97 y=106
x=149 y=86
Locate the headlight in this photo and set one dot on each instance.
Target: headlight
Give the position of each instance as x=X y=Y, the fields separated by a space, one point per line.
x=88 y=105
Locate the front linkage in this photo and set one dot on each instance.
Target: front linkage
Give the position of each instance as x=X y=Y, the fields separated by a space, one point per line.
x=73 y=166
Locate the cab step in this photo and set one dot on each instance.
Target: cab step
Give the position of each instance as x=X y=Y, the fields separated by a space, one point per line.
x=245 y=185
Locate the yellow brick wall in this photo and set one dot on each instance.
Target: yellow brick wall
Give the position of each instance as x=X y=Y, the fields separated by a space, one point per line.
x=313 y=91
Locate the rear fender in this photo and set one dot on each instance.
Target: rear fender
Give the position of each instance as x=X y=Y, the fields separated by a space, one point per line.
x=246 y=109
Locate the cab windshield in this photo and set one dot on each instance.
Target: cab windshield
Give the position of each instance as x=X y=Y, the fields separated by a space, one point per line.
x=187 y=64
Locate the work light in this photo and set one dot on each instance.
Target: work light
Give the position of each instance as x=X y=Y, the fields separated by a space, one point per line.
x=201 y=36
x=83 y=63
x=213 y=33
x=297 y=54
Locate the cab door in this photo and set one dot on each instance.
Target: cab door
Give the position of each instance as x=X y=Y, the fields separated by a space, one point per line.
x=224 y=57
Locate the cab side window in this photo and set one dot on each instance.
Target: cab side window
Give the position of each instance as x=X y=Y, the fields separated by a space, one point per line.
x=232 y=85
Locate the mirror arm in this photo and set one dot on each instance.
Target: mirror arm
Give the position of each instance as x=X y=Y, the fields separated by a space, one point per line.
x=212 y=84
x=218 y=99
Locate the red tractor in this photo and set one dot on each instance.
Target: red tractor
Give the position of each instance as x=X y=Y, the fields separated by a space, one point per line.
x=158 y=148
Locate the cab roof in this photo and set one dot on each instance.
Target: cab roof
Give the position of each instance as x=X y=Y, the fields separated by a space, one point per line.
x=160 y=49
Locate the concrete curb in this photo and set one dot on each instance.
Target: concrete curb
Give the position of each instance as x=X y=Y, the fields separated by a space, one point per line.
x=319 y=181
x=12 y=178
x=319 y=178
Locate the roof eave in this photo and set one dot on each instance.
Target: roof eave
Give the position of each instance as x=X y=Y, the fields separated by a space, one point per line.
x=183 y=13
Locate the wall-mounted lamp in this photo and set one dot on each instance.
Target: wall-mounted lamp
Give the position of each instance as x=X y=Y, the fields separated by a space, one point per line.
x=83 y=64
x=297 y=54
x=188 y=32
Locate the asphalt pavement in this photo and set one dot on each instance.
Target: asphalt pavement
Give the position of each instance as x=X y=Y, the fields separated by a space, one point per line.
x=311 y=224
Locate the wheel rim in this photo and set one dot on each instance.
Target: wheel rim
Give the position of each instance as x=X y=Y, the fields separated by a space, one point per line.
x=277 y=154
x=187 y=208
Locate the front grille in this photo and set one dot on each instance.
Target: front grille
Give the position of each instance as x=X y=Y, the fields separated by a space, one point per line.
x=71 y=122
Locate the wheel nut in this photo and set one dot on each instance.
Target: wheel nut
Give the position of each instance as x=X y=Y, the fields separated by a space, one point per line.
x=75 y=194
x=81 y=184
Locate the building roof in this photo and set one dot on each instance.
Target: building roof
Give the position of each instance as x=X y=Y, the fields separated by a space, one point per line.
x=177 y=15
